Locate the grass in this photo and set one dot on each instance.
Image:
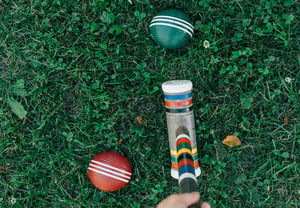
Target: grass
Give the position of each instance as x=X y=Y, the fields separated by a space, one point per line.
x=74 y=76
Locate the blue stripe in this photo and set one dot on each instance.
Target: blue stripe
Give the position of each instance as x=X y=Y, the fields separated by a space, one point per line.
x=179 y=110
x=186 y=168
x=178 y=97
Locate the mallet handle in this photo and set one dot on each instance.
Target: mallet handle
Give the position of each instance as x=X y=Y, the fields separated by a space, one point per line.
x=181 y=126
x=188 y=185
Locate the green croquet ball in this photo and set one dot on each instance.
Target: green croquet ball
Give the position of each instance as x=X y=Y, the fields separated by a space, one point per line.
x=171 y=29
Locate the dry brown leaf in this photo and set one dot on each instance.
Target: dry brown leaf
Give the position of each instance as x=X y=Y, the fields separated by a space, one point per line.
x=3 y=169
x=120 y=141
x=286 y=120
x=231 y=141
x=139 y=119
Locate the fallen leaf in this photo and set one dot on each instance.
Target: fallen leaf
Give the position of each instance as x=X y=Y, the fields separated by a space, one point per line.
x=120 y=141
x=231 y=141
x=17 y=108
x=3 y=169
x=139 y=119
x=286 y=120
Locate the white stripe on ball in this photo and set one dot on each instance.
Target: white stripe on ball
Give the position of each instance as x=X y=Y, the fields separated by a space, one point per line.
x=109 y=175
x=176 y=22
x=175 y=18
x=109 y=166
x=110 y=171
x=170 y=25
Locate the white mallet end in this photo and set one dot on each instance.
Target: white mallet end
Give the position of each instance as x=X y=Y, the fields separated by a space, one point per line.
x=177 y=86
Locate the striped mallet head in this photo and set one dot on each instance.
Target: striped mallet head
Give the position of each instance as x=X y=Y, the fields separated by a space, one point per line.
x=171 y=28
x=178 y=96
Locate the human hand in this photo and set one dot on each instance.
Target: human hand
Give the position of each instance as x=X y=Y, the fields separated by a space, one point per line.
x=182 y=201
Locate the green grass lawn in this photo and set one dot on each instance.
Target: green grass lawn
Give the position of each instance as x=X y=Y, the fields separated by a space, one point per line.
x=74 y=75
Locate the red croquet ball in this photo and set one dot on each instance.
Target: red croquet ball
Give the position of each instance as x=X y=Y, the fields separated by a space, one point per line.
x=109 y=171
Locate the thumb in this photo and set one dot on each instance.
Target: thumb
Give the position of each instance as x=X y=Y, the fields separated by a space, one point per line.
x=205 y=205
x=180 y=200
x=189 y=198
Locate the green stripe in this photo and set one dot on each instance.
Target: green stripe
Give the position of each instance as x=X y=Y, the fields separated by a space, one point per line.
x=184 y=145
x=195 y=157
x=174 y=159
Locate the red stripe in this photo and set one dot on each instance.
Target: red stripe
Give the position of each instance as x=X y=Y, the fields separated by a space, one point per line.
x=175 y=166
x=185 y=162
x=178 y=104
x=183 y=140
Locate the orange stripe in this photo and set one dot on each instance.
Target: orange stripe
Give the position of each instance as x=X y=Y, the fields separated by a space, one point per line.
x=178 y=104
x=175 y=166
x=196 y=164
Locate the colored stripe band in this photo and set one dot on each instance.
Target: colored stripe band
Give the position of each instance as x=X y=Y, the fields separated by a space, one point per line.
x=184 y=153
x=178 y=97
x=195 y=157
x=184 y=156
x=175 y=22
x=109 y=171
x=196 y=164
x=175 y=165
x=194 y=151
x=186 y=168
x=175 y=18
x=174 y=159
x=109 y=166
x=181 y=110
x=184 y=145
x=184 y=150
x=183 y=140
x=173 y=153
x=185 y=162
x=172 y=25
x=178 y=104
x=109 y=175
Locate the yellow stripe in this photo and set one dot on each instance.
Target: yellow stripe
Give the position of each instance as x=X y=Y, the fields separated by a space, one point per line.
x=184 y=150
x=174 y=152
